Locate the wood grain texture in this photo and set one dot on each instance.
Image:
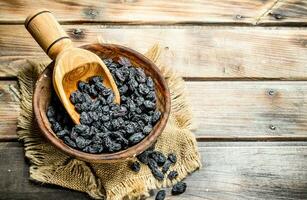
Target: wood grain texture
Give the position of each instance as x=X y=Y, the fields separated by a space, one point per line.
x=140 y=11
x=224 y=110
x=9 y=110
x=194 y=51
x=237 y=170
x=267 y=110
x=286 y=12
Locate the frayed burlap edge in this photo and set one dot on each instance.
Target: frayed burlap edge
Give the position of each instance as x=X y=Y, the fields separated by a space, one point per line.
x=181 y=117
x=28 y=132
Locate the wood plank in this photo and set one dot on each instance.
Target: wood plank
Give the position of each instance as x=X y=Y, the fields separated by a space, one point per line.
x=249 y=110
x=286 y=12
x=248 y=170
x=223 y=110
x=197 y=52
x=9 y=110
x=141 y=11
x=14 y=178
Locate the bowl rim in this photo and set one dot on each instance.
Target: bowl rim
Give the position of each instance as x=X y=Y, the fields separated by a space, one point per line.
x=105 y=157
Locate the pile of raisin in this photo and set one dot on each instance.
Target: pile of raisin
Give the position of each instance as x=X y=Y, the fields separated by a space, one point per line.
x=159 y=165
x=105 y=126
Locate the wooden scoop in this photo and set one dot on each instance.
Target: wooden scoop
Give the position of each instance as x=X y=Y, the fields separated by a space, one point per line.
x=71 y=64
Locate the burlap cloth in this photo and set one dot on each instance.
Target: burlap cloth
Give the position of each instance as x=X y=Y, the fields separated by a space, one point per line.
x=115 y=180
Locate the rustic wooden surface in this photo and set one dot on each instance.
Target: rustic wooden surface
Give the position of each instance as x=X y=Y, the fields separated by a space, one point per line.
x=208 y=52
x=245 y=63
x=254 y=110
x=264 y=171
x=142 y=12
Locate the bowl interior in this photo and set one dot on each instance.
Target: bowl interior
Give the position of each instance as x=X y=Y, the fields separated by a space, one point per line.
x=42 y=98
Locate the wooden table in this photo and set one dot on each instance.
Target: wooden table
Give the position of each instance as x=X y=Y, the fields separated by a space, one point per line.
x=245 y=64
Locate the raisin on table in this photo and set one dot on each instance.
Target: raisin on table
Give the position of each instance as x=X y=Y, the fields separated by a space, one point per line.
x=160 y=195
x=179 y=188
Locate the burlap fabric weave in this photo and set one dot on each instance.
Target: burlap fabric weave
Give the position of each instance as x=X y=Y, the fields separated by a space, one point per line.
x=115 y=180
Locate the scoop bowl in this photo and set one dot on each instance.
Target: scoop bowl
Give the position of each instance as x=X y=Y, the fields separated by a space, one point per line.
x=41 y=100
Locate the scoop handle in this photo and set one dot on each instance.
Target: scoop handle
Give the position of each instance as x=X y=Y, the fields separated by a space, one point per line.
x=47 y=32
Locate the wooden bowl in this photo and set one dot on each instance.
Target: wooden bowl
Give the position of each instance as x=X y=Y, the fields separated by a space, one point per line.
x=41 y=102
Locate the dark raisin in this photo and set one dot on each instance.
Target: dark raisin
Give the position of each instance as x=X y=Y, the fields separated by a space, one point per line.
x=108 y=61
x=156 y=116
x=62 y=133
x=56 y=127
x=130 y=128
x=124 y=61
x=149 y=82
x=108 y=125
x=179 y=188
x=172 y=175
x=110 y=98
x=85 y=118
x=82 y=129
x=140 y=75
x=139 y=101
x=102 y=100
x=105 y=118
x=133 y=84
x=160 y=195
x=73 y=135
x=151 y=96
x=81 y=142
x=157 y=174
x=105 y=109
x=100 y=88
x=84 y=87
x=158 y=157
x=95 y=79
x=143 y=89
x=93 y=116
x=136 y=138
x=51 y=112
x=107 y=92
x=153 y=166
x=172 y=157
x=69 y=142
x=98 y=148
x=166 y=166
x=138 y=110
x=135 y=166
x=120 y=76
x=144 y=157
x=81 y=86
x=123 y=89
x=149 y=105
x=93 y=131
x=110 y=145
x=94 y=106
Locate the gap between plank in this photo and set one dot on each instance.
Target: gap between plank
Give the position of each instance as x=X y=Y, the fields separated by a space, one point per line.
x=170 y=23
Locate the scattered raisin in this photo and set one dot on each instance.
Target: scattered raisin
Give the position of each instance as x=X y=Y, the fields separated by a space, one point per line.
x=179 y=188
x=160 y=195
x=172 y=175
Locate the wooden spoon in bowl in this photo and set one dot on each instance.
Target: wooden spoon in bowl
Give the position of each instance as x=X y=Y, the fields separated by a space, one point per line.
x=71 y=64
